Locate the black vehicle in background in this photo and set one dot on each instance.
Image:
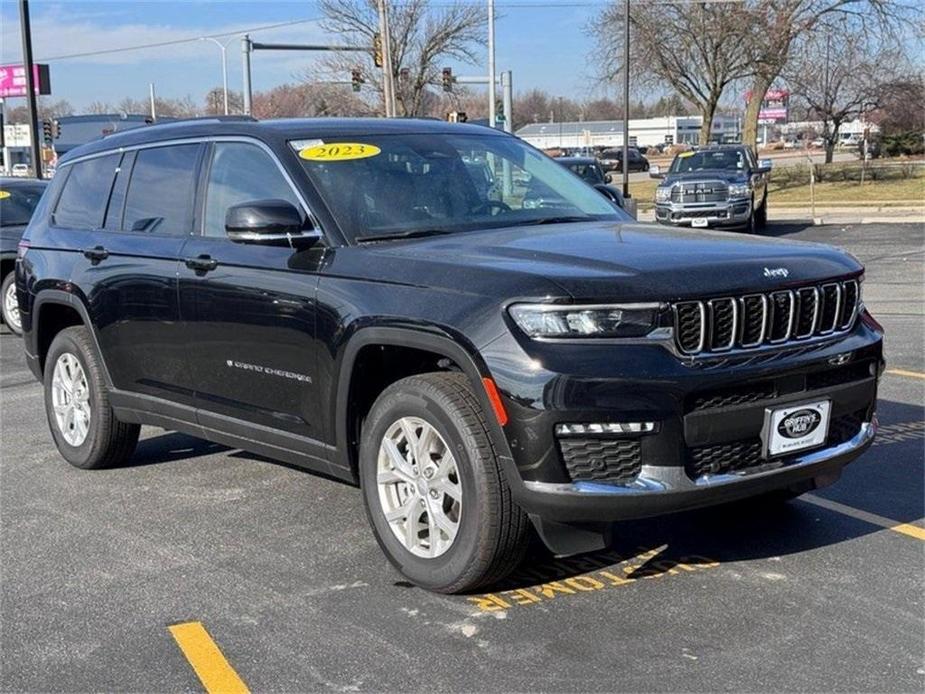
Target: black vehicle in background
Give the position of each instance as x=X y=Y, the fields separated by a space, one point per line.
x=716 y=186
x=18 y=199
x=350 y=297
x=612 y=160
x=590 y=171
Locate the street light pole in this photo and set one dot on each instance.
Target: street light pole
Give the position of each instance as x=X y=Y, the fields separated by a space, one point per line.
x=626 y=98
x=30 y=87
x=222 y=46
x=492 y=120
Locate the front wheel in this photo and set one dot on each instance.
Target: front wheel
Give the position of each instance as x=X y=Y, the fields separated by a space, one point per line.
x=10 y=304
x=435 y=494
x=761 y=215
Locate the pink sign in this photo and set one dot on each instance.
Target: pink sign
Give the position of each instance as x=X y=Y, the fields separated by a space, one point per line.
x=13 y=80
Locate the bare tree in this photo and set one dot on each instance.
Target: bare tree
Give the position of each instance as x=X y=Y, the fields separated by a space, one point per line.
x=308 y=100
x=422 y=37
x=215 y=102
x=47 y=110
x=695 y=48
x=774 y=28
x=837 y=73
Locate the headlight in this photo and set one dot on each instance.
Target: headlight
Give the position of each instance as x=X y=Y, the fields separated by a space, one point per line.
x=663 y=194
x=548 y=320
x=739 y=190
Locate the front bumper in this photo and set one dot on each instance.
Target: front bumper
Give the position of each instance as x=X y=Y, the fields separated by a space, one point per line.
x=706 y=447
x=717 y=214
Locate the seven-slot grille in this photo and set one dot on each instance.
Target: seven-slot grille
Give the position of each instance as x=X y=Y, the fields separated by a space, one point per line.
x=777 y=317
x=702 y=191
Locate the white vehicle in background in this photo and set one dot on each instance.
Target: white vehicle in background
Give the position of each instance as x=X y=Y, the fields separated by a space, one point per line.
x=20 y=170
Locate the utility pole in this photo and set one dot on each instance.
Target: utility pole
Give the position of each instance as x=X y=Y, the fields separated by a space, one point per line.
x=26 y=27
x=626 y=98
x=388 y=73
x=246 y=57
x=492 y=121
x=153 y=103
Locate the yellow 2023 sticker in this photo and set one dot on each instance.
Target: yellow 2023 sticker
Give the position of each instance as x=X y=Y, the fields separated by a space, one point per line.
x=684 y=155
x=4 y=194
x=339 y=151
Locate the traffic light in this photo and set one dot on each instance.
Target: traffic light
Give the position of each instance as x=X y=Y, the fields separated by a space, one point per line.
x=377 y=49
x=404 y=74
x=46 y=131
x=447 y=79
x=55 y=129
x=356 y=79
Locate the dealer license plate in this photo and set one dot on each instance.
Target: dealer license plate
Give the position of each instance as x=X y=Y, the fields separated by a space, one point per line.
x=796 y=427
x=700 y=222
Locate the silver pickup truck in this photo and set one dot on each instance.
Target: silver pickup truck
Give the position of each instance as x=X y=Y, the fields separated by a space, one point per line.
x=717 y=186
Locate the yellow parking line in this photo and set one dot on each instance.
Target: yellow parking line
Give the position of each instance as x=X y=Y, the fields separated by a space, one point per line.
x=213 y=670
x=907 y=374
x=872 y=518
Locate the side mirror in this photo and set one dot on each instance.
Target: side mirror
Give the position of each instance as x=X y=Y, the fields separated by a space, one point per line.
x=764 y=165
x=609 y=193
x=655 y=171
x=267 y=222
x=608 y=178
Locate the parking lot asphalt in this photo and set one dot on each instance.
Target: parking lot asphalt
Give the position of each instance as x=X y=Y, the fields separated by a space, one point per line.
x=292 y=593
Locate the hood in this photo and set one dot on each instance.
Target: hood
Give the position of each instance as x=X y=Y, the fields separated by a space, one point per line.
x=612 y=261
x=706 y=175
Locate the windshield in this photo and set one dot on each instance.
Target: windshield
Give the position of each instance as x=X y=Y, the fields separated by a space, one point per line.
x=404 y=184
x=17 y=203
x=722 y=159
x=588 y=172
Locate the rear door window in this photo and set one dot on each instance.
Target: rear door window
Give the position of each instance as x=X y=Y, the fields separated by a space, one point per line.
x=82 y=204
x=161 y=190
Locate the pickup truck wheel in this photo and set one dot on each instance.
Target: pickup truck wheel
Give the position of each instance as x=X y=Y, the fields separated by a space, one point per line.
x=435 y=493
x=761 y=216
x=10 y=304
x=750 y=224
x=82 y=423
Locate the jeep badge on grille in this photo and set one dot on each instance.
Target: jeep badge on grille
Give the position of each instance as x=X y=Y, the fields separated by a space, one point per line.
x=776 y=272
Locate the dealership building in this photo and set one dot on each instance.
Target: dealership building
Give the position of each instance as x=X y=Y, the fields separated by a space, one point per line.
x=642 y=132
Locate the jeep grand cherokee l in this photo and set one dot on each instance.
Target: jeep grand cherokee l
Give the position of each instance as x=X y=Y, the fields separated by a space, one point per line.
x=342 y=295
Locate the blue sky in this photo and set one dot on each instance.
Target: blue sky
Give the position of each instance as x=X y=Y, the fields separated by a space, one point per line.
x=543 y=42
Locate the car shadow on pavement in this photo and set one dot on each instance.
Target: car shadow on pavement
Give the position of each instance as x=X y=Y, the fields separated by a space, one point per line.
x=888 y=480
x=170 y=447
x=776 y=229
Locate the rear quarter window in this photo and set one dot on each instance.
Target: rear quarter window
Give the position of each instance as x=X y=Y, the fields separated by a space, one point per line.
x=82 y=204
x=161 y=190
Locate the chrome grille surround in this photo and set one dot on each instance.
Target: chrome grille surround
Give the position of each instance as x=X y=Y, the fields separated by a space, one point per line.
x=773 y=318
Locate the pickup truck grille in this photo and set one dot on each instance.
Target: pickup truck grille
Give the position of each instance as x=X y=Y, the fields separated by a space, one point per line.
x=753 y=320
x=700 y=191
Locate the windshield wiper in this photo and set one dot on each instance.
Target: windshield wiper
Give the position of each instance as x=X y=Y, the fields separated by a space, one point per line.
x=556 y=220
x=410 y=234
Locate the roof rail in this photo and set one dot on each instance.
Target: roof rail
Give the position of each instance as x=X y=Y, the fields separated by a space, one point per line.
x=206 y=119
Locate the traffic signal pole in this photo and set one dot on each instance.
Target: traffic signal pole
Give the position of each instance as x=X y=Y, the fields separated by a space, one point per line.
x=26 y=27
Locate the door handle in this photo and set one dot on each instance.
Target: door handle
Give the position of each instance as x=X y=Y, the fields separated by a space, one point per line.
x=202 y=263
x=96 y=254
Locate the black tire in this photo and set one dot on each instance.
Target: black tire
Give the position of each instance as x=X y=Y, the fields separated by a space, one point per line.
x=108 y=442
x=750 y=224
x=492 y=536
x=761 y=215
x=12 y=322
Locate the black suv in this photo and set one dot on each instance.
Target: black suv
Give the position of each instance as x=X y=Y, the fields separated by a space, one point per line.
x=718 y=186
x=18 y=199
x=344 y=295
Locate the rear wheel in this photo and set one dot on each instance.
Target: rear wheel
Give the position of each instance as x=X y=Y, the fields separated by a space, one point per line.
x=82 y=423
x=10 y=304
x=435 y=493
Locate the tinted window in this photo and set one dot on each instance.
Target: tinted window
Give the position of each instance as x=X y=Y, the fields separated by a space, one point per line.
x=241 y=173
x=17 y=203
x=161 y=189
x=82 y=204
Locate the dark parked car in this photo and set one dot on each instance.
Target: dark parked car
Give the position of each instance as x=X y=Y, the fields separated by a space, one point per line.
x=339 y=295
x=612 y=160
x=18 y=199
x=590 y=171
x=717 y=186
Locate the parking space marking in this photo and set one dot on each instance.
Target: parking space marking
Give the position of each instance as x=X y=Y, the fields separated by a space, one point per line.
x=907 y=374
x=586 y=574
x=872 y=518
x=209 y=664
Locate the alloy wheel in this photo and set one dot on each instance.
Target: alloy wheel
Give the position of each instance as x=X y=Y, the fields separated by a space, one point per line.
x=419 y=487
x=11 y=307
x=70 y=396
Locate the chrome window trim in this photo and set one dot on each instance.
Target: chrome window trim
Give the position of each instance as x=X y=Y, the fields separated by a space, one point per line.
x=316 y=230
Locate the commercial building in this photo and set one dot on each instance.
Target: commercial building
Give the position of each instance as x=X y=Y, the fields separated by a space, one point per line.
x=642 y=132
